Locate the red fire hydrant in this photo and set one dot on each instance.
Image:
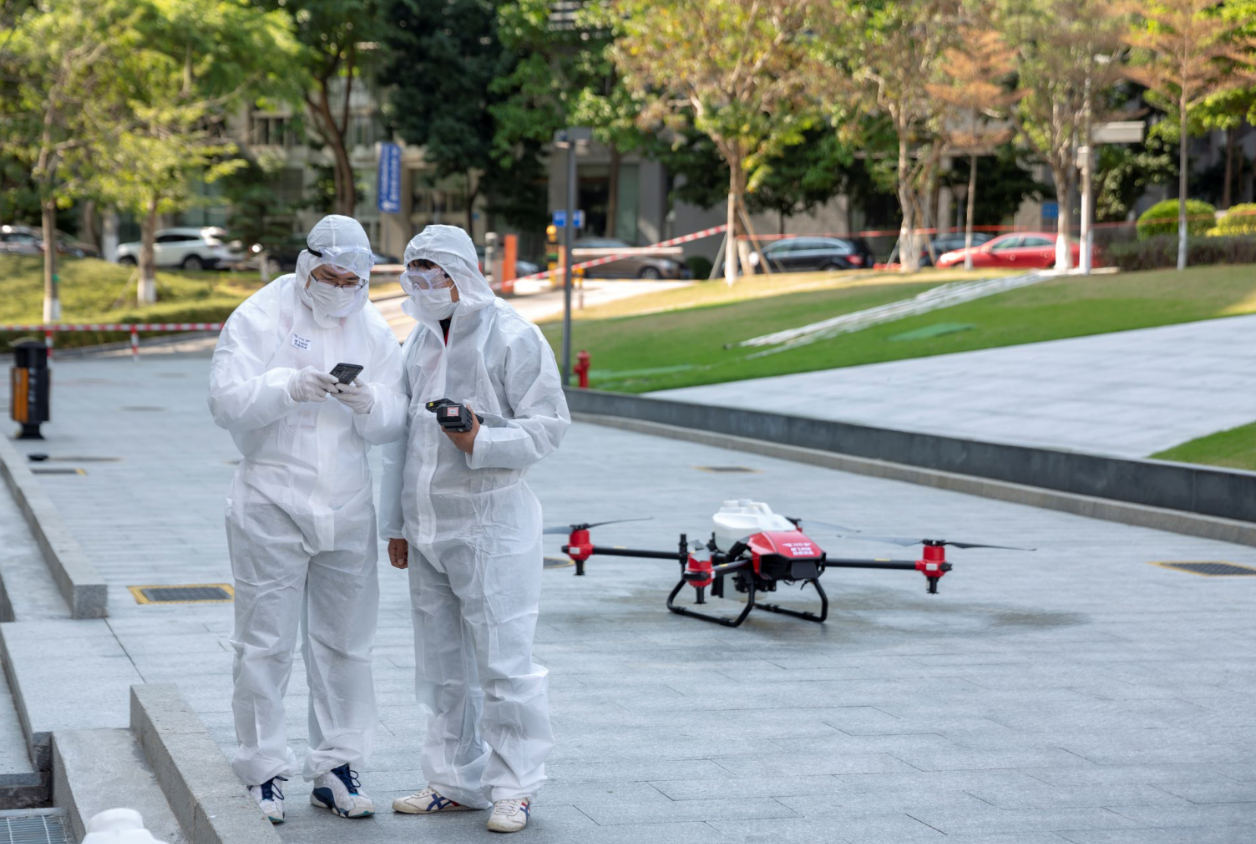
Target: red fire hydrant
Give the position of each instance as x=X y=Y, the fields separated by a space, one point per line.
x=582 y=369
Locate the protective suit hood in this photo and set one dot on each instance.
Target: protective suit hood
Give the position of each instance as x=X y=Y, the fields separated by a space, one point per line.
x=451 y=249
x=338 y=242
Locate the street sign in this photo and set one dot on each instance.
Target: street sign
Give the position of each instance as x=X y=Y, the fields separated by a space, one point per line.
x=388 y=180
x=560 y=219
x=1119 y=132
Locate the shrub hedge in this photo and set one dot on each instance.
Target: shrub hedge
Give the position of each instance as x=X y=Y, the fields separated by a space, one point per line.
x=1157 y=253
x=1162 y=218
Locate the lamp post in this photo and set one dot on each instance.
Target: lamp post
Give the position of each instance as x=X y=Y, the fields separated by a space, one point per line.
x=569 y=139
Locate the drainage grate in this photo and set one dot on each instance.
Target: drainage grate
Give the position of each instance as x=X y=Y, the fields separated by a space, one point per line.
x=728 y=470
x=1210 y=568
x=558 y=562
x=195 y=593
x=40 y=826
x=56 y=470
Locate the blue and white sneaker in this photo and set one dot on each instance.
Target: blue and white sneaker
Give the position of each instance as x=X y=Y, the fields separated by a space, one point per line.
x=426 y=802
x=339 y=791
x=509 y=815
x=269 y=798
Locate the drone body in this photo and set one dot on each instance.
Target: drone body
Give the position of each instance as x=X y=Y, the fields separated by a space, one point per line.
x=758 y=549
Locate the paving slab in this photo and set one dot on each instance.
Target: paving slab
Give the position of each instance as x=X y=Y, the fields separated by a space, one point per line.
x=1128 y=393
x=1032 y=692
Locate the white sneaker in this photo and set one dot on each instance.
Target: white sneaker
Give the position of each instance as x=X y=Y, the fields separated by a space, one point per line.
x=509 y=815
x=338 y=790
x=269 y=798
x=426 y=802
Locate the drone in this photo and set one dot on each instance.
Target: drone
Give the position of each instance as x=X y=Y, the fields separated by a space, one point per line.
x=759 y=550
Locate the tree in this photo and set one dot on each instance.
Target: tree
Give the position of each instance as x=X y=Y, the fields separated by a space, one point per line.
x=335 y=36
x=893 y=50
x=443 y=58
x=803 y=177
x=193 y=63
x=61 y=104
x=1067 y=62
x=1186 y=52
x=972 y=83
x=736 y=70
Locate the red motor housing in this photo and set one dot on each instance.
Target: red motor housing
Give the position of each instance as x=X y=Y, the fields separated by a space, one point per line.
x=698 y=572
x=932 y=566
x=579 y=546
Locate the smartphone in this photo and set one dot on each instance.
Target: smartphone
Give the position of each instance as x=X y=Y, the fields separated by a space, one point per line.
x=346 y=372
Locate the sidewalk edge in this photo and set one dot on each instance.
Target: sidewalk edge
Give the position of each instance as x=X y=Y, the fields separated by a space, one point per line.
x=82 y=587
x=207 y=797
x=1139 y=515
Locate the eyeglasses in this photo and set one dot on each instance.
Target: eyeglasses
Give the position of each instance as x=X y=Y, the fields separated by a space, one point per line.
x=357 y=284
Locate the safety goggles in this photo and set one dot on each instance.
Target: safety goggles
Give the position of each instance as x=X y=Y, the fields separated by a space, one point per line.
x=355 y=260
x=417 y=279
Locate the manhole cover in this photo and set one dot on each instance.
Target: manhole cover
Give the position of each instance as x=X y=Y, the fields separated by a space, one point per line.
x=56 y=470
x=37 y=826
x=728 y=470
x=143 y=409
x=196 y=593
x=1210 y=568
x=558 y=562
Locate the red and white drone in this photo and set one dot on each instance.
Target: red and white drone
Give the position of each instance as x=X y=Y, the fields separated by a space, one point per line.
x=760 y=549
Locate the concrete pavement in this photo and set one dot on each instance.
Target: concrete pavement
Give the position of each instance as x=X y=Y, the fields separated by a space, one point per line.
x=1131 y=393
x=1074 y=694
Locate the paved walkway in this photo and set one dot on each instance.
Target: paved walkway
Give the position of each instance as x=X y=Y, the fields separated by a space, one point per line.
x=1076 y=694
x=1132 y=393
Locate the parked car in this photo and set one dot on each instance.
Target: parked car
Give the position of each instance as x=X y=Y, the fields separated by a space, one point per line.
x=634 y=266
x=522 y=267
x=1019 y=250
x=28 y=240
x=799 y=254
x=941 y=245
x=195 y=248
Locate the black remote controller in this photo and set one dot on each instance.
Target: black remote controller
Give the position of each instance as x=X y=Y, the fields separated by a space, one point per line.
x=452 y=416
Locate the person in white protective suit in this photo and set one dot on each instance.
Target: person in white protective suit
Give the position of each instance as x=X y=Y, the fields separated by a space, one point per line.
x=300 y=516
x=458 y=514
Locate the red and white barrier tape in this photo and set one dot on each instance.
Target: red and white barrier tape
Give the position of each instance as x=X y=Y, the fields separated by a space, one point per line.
x=597 y=262
x=133 y=329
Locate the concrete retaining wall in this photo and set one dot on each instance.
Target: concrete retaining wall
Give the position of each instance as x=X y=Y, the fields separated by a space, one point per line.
x=81 y=586
x=1217 y=493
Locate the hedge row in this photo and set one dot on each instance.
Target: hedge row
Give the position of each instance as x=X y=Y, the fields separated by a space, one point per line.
x=1160 y=252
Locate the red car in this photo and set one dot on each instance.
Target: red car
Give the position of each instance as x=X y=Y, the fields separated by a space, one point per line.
x=1019 y=250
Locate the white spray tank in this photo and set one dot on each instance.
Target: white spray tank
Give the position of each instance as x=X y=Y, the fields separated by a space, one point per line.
x=738 y=519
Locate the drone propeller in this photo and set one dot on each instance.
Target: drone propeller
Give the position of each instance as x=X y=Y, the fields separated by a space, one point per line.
x=565 y=529
x=805 y=522
x=911 y=540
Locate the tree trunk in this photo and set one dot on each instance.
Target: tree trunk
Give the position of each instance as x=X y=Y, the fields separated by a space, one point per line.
x=346 y=190
x=1226 y=196
x=109 y=236
x=972 y=204
x=1061 y=175
x=730 y=240
x=612 y=194
x=908 y=254
x=146 y=290
x=1182 y=174
x=52 y=293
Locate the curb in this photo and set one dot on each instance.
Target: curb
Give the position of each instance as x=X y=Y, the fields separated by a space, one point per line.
x=1139 y=515
x=206 y=796
x=81 y=586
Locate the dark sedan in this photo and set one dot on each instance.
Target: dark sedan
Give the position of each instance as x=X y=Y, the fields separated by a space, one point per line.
x=801 y=254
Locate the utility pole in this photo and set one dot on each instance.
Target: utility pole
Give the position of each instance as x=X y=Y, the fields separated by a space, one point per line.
x=569 y=139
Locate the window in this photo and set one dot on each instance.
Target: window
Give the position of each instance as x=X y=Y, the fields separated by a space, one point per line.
x=1036 y=241
x=173 y=238
x=274 y=130
x=363 y=130
x=1010 y=243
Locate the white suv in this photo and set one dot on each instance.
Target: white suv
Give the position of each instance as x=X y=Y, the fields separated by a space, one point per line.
x=190 y=248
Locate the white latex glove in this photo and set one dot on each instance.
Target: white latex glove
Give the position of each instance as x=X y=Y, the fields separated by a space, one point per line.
x=310 y=384
x=356 y=396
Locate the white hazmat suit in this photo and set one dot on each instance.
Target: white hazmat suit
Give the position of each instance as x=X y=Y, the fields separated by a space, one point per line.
x=300 y=517
x=474 y=532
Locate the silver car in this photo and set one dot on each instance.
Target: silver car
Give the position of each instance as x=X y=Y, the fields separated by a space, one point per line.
x=633 y=266
x=197 y=248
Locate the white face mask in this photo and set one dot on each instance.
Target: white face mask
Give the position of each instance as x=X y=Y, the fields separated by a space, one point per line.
x=331 y=302
x=436 y=303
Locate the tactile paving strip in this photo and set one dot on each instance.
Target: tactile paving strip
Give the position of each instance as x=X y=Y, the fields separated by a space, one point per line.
x=197 y=593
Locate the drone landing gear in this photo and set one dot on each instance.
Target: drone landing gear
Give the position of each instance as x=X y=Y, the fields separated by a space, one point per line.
x=803 y=614
x=718 y=592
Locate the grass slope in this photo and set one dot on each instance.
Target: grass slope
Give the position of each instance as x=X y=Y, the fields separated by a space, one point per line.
x=683 y=348
x=1235 y=449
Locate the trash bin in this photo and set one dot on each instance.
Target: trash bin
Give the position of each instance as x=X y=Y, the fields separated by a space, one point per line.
x=30 y=384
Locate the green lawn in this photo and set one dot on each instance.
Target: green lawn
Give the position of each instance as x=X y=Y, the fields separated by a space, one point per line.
x=686 y=347
x=1235 y=448
x=97 y=291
